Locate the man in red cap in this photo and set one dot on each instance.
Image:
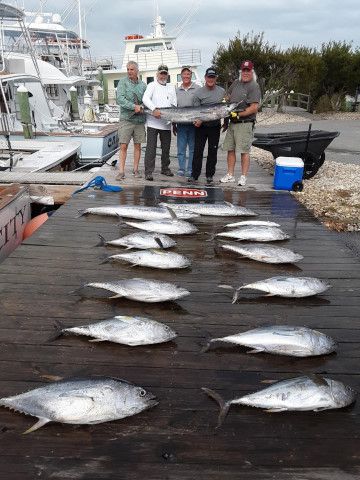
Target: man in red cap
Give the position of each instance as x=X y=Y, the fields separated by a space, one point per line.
x=239 y=135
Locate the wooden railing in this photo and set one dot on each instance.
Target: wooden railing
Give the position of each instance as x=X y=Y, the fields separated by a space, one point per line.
x=284 y=99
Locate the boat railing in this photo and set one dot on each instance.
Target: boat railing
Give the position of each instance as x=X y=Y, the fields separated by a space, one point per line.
x=7 y=122
x=149 y=60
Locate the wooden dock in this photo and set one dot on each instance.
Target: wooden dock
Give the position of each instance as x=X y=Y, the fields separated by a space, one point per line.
x=176 y=440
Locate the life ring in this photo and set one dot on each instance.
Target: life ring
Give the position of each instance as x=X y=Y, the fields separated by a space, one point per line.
x=34 y=224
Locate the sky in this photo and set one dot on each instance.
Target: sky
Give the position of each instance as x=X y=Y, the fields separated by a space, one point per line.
x=285 y=23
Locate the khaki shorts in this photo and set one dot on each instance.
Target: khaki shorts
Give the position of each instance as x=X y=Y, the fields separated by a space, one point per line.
x=239 y=136
x=128 y=130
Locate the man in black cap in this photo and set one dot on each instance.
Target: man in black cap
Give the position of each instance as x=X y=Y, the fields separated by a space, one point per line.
x=209 y=132
x=158 y=94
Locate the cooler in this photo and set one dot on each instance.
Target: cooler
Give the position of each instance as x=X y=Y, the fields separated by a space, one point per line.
x=288 y=171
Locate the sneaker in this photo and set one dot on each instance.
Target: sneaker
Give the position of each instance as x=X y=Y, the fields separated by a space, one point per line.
x=188 y=174
x=181 y=173
x=149 y=178
x=242 y=181
x=167 y=172
x=120 y=176
x=192 y=180
x=136 y=174
x=209 y=180
x=227 y=178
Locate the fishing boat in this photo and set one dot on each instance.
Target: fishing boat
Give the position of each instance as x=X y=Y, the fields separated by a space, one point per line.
x=148 y=52
x=49 y=114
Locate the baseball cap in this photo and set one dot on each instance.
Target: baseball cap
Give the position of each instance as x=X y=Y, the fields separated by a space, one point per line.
x=163 y=69
x=210 y=72
x=185 y=67
x=247 y=65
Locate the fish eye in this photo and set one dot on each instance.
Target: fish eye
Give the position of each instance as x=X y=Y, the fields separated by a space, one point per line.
x=142 y=392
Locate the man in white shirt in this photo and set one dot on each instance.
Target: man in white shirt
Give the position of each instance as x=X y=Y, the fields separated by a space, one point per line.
x=158 y=94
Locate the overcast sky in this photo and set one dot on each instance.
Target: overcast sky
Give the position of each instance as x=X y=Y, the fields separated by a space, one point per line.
x=284 y=23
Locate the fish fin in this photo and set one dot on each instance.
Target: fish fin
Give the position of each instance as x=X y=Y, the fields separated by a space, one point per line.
x=102 y=241
x=105 y=259
x=118 y=295
x=275 y=410
x=321 y=409
x=270 y=295
x=256 y=350
x=318 y=380
x=172 y=213
x=236 y=295
x=40 y=423
x=224 y=406
x=58 y=331
x=52 y=378
x=93 y=340
x=229 y=204
x=268 y=381
x=228 y=287
x=159 y=242
x=76 y=290
x=206 y=347
x=212 y=236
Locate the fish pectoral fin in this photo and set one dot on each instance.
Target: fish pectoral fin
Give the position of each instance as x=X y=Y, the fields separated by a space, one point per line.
x=270 y=295
x=118 y=295
x=93 y=340
x=40 y=423
x=318 y=380
x=321 y=409
x=276 y=410
x=256 y=350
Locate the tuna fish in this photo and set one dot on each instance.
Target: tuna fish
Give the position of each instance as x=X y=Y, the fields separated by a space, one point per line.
x=132 y=331
x=190 y=114
x=140 y=240
x=139 y=212
x=152 y=259
x=246 y=223
x=282 y=286
x=297 y=394
x=225 y=209
x=265 y=253
x=140 y=289
x=282 y=340
x=170 y=227
x=81 y=401
x=255 y=233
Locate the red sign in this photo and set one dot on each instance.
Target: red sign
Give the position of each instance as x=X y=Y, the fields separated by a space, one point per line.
x=183 y=192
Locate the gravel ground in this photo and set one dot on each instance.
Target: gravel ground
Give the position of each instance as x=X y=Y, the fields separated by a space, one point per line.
x=333 y=194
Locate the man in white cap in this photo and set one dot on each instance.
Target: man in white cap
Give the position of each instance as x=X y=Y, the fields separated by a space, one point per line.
x=239 y=135
x=158 y=94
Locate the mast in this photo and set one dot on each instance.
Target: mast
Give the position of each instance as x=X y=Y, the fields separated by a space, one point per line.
x=80 y=35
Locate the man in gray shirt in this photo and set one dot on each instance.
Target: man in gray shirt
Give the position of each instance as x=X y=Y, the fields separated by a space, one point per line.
x=239 y=135
x=185 y=131
x=209 y=132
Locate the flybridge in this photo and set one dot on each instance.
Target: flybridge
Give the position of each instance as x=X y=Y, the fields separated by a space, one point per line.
x=183 y=192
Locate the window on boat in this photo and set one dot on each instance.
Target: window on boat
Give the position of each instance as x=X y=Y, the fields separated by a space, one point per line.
x=52 y=91
x=169 y=46
x=150 y=47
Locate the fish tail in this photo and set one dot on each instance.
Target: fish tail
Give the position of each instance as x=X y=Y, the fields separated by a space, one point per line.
x=58 y=331
x=105 y=259
x=81 y=212
x=224 y=406
x=102 y=241
x=206 y=347
x=212 y=236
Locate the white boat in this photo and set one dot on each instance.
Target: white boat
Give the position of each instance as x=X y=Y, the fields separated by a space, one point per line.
x=99 y=141
x=149 y=52
x=15 y=213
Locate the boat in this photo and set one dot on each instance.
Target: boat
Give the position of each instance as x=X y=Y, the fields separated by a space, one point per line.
x=50 y=119
x=15 y=213
x=148 y=52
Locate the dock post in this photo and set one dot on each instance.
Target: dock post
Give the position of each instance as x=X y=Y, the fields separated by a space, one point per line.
x=74 y=103
x=25 y=115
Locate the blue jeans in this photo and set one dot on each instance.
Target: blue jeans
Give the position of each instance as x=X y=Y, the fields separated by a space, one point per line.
x=185 y=138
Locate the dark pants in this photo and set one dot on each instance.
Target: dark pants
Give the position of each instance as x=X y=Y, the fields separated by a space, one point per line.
x=212 y=136
x=150 y=153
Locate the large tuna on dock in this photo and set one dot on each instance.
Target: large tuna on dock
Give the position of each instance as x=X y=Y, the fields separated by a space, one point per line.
x=153 y=259
x=132 y=331
x=204 y=113
x=140 y=240
x=81 y=401
x=296 y=394
x=140 y=289
x=225 y=209
x=139 y=212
